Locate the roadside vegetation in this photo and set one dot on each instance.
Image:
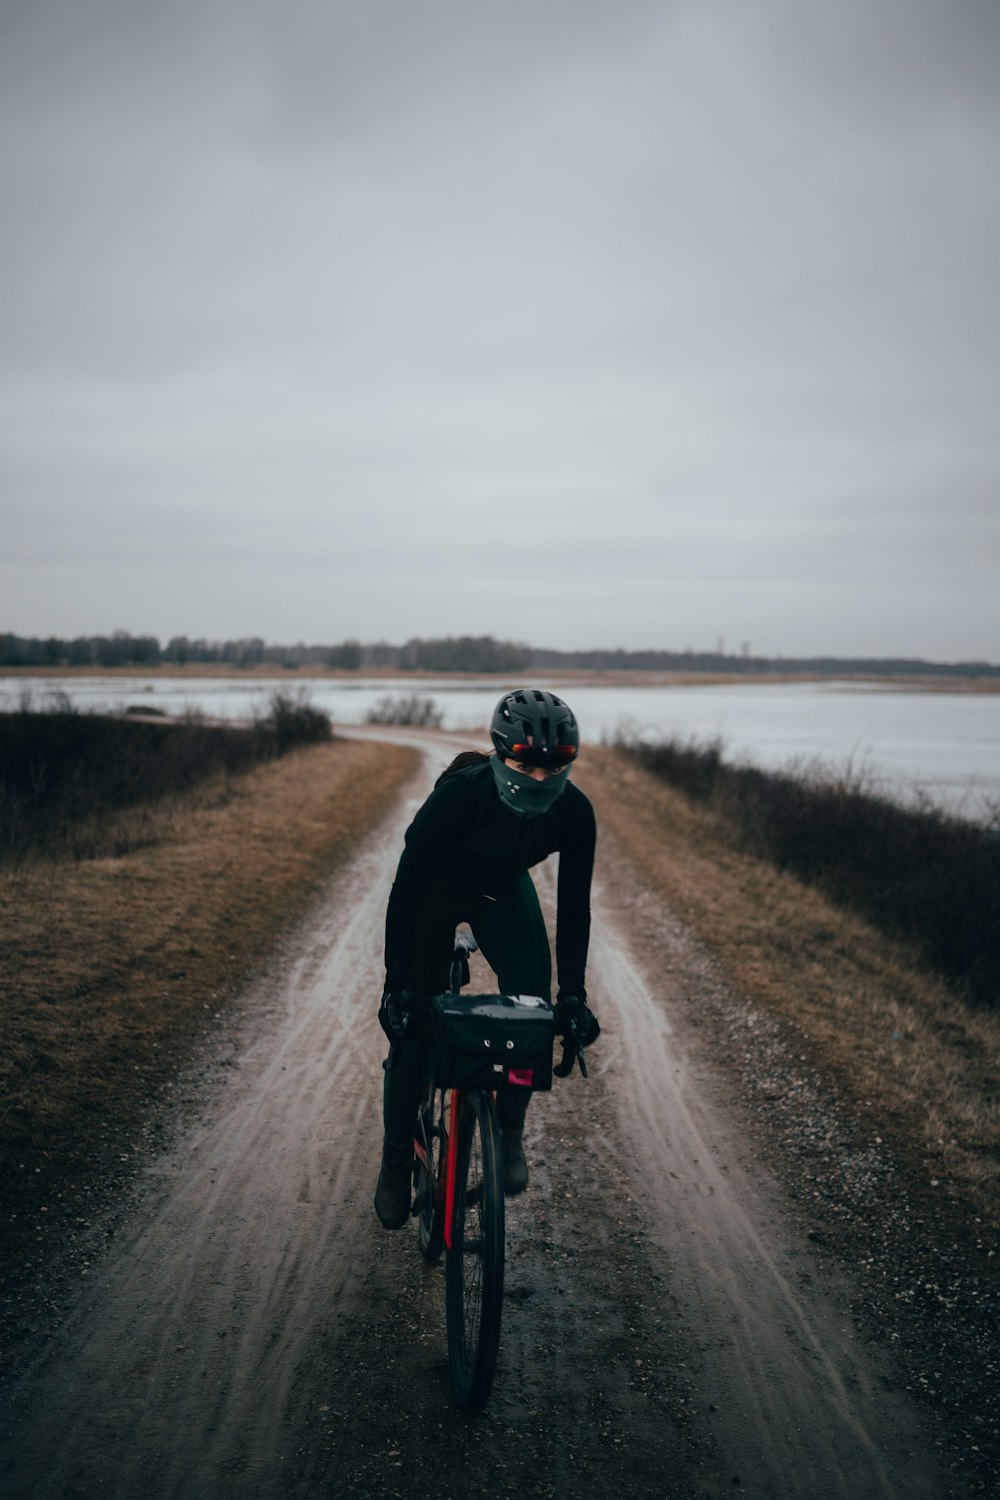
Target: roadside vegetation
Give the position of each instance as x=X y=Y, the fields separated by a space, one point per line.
x=68 y=779
x=408 y=708
x=920 y=875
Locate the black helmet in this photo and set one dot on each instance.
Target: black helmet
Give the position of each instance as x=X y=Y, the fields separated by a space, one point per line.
x=535 y=727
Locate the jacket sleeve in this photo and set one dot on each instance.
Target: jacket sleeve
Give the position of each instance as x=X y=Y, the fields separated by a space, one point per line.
x=437 y=826
x=576 y=867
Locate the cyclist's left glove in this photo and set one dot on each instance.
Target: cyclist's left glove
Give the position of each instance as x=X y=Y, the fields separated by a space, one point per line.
x=396 y=1014
x=574 y=1008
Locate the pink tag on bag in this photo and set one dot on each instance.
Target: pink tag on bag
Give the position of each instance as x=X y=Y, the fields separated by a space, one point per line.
x=523 y=1076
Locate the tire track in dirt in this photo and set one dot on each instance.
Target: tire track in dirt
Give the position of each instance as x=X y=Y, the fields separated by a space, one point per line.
x=257 y=1334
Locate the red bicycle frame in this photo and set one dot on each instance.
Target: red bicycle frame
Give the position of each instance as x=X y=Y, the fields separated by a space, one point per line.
x=451 y=1166
x=450 y=1151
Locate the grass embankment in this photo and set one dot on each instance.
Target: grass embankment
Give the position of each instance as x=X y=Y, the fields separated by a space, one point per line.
x=921 y=875
x=82 y=785
x=112 y=967
x=918 y=1062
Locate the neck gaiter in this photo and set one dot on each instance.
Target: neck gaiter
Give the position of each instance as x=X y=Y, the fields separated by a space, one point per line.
x=523 y=794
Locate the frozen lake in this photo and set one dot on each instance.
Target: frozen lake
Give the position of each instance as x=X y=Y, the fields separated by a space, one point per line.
x=944 y=745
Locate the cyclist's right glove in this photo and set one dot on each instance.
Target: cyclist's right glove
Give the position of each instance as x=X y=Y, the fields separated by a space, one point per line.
x=574 y=1009
x=396 y=1014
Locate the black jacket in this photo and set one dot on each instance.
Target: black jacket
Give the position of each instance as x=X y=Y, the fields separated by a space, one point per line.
x=466 y=838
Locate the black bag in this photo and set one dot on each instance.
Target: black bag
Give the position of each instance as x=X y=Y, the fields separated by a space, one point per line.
x=491 y=1041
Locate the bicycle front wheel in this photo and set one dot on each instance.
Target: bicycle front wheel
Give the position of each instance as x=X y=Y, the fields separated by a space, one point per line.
x=474 y=1270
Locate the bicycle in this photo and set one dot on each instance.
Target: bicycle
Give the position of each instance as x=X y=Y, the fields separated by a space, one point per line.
x=459 y=1198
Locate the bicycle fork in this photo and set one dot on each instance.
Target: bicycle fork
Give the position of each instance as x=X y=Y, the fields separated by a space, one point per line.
x=451 y=1167
x=449 y=1156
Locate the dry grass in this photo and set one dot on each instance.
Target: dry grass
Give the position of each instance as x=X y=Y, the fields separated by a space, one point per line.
x=893 y=1037
x=111 y=968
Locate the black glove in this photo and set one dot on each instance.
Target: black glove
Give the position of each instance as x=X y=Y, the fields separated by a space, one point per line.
x=572 y=1009
x=396 y=1014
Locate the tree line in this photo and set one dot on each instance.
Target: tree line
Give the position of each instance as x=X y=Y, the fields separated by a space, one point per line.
x=462 y=653
x=451 y=654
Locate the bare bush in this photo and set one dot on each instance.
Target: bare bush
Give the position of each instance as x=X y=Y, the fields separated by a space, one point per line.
x=409 y=708
x=295 y=721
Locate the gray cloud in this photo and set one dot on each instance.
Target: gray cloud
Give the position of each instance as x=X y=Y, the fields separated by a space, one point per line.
x=641 y=326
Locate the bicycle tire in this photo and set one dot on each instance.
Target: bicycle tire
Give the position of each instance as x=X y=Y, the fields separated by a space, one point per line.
x=475 y=1262
x=430 y=1216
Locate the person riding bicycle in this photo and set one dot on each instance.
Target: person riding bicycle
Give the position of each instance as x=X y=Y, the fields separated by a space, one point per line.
x=466 y=859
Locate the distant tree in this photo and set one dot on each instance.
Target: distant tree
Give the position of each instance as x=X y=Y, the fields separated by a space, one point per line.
x=79 y=652
x=146 y=651
x=466 y=653
x=108 y=650
x=178 y=650
x=381 y=654
x=346 y=656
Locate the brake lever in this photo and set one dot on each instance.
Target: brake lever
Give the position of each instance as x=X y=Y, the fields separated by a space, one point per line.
x=572 y=1052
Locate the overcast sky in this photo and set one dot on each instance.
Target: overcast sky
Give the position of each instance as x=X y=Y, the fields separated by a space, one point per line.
x=632 y=324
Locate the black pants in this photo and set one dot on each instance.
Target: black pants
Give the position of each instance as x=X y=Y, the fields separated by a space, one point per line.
x=510 y=931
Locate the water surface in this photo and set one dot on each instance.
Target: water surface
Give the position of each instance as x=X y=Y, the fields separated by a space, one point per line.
x=945 y=746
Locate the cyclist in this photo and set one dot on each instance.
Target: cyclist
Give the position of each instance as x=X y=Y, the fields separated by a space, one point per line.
x=466 y=859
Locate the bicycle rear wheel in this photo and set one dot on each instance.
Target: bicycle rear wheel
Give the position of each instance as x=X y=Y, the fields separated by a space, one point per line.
x=430 y=1212
x=474 y=1270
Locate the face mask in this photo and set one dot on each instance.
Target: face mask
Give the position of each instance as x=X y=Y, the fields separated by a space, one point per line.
x=523 y=794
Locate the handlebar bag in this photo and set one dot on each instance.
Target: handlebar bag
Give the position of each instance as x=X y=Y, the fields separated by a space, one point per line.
x=491 y=1041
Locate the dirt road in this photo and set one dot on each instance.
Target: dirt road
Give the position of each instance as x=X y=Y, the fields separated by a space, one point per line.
x=250 y=1331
